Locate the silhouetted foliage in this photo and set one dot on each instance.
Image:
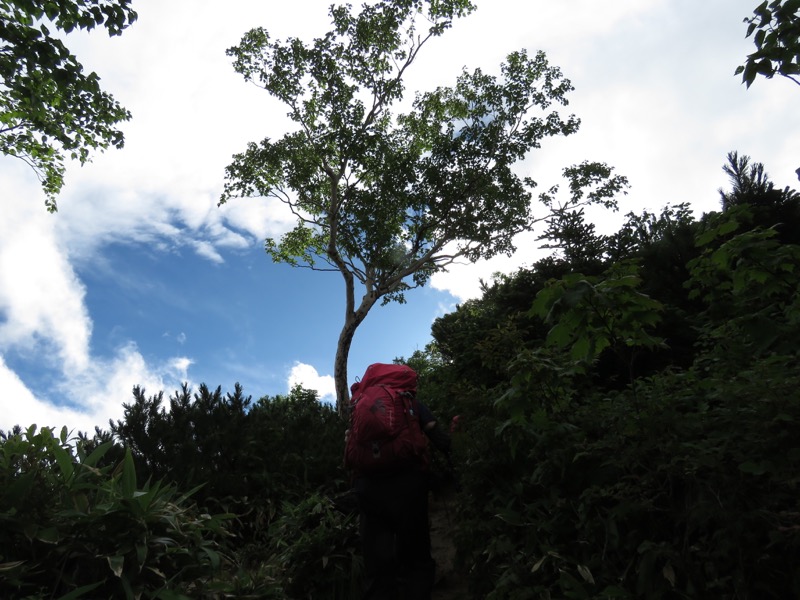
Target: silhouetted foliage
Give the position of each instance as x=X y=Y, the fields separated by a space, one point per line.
x=247 y=457
x=766 y=206
x=775 y=27
x=670 y=477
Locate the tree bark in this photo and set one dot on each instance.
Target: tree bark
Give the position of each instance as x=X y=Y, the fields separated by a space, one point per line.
x=352 y=319
x=340 y=367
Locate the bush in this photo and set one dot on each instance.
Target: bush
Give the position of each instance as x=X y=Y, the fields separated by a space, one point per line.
x=314 y=551
x=70 y=528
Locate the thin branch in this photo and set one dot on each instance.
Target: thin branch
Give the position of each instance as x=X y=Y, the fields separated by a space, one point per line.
x=797 y=81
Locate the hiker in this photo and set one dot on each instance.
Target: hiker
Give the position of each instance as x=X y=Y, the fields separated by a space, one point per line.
x=392 y=491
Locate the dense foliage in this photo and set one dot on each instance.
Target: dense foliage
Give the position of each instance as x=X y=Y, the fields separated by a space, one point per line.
x=241 y=500
x=775 y=28
x=600 y=462
x=254 y=460
x=72 y=528
x=50 y=109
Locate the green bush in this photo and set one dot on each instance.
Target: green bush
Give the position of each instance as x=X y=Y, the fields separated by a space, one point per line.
x=70 y=528
x=249 y=458
x=314 y=551
x=651 y=479
x=688 y=490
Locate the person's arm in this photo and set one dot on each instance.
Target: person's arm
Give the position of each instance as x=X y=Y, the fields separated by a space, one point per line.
x=438 y=436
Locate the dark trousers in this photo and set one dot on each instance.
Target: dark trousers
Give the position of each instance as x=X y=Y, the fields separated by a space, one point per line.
x=395 y=536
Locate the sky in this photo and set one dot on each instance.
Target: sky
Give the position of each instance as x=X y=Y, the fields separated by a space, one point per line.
x=141 y=279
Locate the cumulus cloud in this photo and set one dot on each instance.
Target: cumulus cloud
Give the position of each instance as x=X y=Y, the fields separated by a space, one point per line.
x=18 y=406
x=179 y=367
x=260 y=217
x=90 y=397
x=40 y=296
x=308 y=377
x=207 y=250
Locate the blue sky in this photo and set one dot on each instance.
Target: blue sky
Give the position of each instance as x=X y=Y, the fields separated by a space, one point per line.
x=141 y=279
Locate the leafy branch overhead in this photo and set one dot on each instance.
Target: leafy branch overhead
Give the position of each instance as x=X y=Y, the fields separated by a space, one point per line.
x=775 y=28
x=381 y=196
x=50 y=109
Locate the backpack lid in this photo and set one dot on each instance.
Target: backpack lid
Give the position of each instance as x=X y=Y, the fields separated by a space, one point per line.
x=398 y=377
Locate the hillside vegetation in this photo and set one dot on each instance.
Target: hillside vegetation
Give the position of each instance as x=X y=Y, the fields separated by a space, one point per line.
x=629 y=427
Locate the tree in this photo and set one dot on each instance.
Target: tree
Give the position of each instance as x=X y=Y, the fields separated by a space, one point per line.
x=776 y=26
x=750 y=184
x=388 y=199
x=49 y=108
x=755 y=201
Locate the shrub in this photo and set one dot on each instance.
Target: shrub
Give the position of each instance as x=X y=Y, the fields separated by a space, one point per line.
x=314 y=551
x=70 y=528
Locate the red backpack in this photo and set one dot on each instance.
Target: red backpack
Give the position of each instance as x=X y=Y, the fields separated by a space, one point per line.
x=385 y=430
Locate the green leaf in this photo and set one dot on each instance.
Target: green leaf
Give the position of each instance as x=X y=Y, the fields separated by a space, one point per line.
x=213 y=557
x=116 y=564
x=97 y=454
x=141 y=554
x=581 y=348
x=10 y=566
x=561 y=334
x=585 y=573
x=538 y=564
x=764 y=67
x=728 y=227
x=77 y=593
x=64 y=461
x=128 y=478
x=48 y=536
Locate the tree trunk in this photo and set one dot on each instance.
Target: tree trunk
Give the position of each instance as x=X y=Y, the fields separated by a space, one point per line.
x=340 y=367
x=353 y=318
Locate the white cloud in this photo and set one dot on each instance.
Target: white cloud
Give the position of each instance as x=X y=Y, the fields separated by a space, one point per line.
x=40 y=295
x=260 y=217
x=179 y=367
x=90 y=397
x=308 y=377
x=18 y=406
x=207 y=250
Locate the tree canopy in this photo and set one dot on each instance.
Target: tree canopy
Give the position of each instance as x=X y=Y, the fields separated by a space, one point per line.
x=775 y=27
x=387 y=198
x=50 y=109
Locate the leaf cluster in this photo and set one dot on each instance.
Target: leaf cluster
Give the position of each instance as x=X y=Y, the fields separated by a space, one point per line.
x=247 y=458
x=775 y=27
x=50 y=109
x=254 y=516
x=384 y=197
x=314 y=550
x=72 y=527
